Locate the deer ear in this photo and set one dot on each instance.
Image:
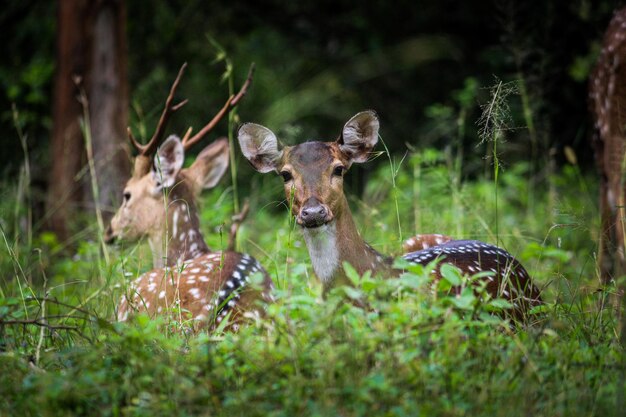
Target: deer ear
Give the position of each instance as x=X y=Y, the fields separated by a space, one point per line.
x=168 y=161
x=210 y=165
x=260 y=147
x=359 y=136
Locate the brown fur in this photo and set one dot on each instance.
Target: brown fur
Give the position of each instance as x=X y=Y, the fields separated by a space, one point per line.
x=607 y=99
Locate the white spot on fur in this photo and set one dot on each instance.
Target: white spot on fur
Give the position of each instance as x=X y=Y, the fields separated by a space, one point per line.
x=204 y=278
x=195 y=293
x=175 y=224
x=162 y=294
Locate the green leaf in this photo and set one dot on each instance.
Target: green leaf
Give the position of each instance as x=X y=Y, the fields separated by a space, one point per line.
x=452 y=274
x=351 y=273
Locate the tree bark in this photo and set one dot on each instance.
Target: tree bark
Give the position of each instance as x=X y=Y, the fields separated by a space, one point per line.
x=67 y=151
x=91 y=47
x=108 y=98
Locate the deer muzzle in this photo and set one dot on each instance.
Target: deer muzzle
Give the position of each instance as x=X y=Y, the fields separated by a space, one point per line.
x=109 y=235
x=314 y=213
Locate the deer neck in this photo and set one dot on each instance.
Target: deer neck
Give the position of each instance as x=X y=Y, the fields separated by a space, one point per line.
x=182 y=240
x=337 y=242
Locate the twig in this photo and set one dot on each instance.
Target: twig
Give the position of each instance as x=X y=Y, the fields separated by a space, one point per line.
x=237 y=220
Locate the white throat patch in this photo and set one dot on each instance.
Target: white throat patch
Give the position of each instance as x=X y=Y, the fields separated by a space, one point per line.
x=322 y=244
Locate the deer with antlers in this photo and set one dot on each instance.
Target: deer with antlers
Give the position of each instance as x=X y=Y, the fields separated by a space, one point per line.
x=313 y=173
x=159 y=203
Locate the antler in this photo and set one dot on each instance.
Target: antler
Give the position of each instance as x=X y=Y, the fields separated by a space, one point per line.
x=232 y=101
x=143 y=160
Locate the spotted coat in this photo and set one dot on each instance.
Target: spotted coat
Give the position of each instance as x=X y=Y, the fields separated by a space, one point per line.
x=204 y=289
x=509 y=278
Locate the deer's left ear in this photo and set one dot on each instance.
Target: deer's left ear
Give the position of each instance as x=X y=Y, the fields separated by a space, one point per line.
x=359 y=136
x=210 y=165
x=168 y=161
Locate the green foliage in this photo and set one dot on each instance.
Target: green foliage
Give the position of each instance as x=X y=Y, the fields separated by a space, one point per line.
x=404 y=346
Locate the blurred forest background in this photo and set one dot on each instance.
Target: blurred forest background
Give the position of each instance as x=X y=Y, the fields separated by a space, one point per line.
x=425 y=66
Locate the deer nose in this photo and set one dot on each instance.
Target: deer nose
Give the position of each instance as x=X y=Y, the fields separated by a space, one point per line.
x=313 y=213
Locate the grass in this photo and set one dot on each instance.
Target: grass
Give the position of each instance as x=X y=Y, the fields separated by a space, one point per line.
x=416 y=352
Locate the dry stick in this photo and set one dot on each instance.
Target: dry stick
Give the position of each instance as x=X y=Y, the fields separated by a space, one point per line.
x=43 y=312
x=38 y=322
x=237 y=220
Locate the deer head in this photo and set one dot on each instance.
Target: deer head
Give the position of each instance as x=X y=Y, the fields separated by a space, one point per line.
x=147 y=198
x=312 y=171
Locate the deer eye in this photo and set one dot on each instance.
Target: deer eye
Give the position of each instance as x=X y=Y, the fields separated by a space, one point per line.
x=286 y=176
x=126 y=196
x=338 y=171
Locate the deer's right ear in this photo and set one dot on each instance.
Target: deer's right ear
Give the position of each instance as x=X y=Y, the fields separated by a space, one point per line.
x=168 y=161
x=260 y=146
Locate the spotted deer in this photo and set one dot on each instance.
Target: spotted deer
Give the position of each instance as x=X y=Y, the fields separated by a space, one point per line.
x=313 y=180
x=607 y=102
x=159 y=203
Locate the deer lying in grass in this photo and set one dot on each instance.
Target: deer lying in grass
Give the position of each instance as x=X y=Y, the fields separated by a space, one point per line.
x=160 y=204
x=313 y=176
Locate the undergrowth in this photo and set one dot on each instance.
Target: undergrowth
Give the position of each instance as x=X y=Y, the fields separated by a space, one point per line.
x=416 y=350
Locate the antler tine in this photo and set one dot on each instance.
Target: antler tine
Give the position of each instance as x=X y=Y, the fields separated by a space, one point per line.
x=229 y=105
x=244 y=87
x=149 y=148
x=132 y=139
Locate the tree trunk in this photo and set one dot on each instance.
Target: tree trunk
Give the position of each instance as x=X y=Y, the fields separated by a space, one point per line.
x=91 y=47
x=66 y=144
x=108 y=98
